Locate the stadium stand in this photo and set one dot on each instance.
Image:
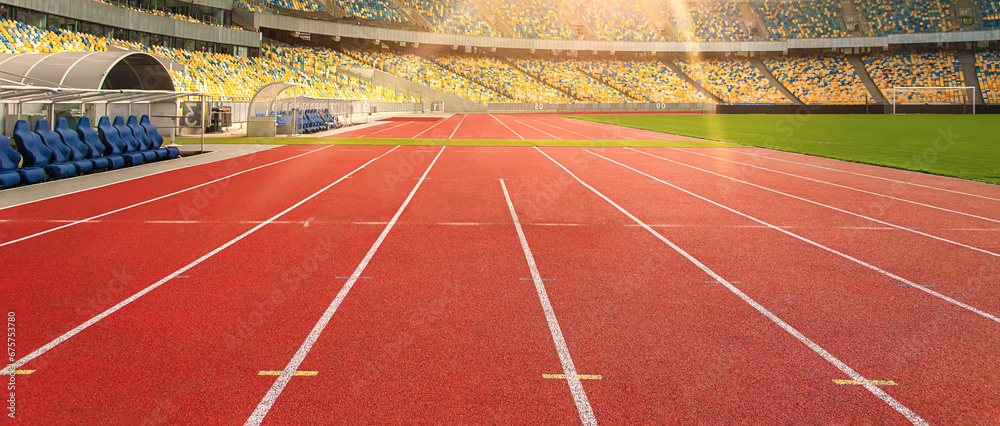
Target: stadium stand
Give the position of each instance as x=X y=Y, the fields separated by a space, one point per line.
x=17 y=37
x=988 y=68
x=499 y=75
x=454 y=17
x=531 y=18
x=710 y=20
x=171 y=15
x=819 y=79
x=907 y=16
x=991 y=14
x=646 y=81
x=565 y=76
x=300 y=5
x=800 y=18
x=735 y=81
x=423 y=71
x=924 y=69
x=254 y=7
x=375 y=10
x=616 y=21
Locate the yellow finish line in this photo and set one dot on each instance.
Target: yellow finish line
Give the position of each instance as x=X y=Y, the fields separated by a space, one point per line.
x=874 y=382
x=23 y=371
x=580 y=376
x=297 y=373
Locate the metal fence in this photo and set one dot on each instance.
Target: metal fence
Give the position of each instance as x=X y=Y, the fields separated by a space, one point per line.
x=608 y=107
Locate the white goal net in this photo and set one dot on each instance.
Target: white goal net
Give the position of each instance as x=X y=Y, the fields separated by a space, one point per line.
x=951 y=95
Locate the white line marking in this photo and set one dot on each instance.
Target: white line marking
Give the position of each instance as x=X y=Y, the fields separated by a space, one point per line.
x=425 y=130
x=875 y=390
x=157 y=198
x=380 y=131
x=132 y=178
x=882 y=222
x=459 y=125
x=554 y=224
x=560 y=128
x=537 y=129
x=841 y=186
x=815 y=244
x=172 y=275
x=862 y=174
x=575 y=387
x=293 y=365
x=461 y=223
x=505 y=125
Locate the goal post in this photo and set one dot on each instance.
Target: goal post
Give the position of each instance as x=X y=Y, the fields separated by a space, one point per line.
x=943 y=95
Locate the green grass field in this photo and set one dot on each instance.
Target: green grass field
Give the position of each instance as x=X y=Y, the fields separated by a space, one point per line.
x=449 y=142
x=964 y=146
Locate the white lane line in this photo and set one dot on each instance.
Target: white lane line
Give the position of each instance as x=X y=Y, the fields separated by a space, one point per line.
x=575 y=386
x=380 y=131
x=173 y=275
x=134 y=178
x=560 y=128
x=843 y=186
x=425 y=130
x=815 y=244
x=862 y=174
x=7 y=243
x=554 y=224
x=840 y=365
x=505 y=125
x=603 y=128
x=462 y=223
x=459 y=125
x=858 y=215
x=537 y=129
x=293 y=365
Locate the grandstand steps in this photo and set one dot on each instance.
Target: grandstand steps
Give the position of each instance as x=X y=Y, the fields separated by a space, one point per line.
x=465 y=75
x=851 y=16
x=859 y=68
x=757 y=62
x=492 y=19
x=242 y=21
x=680 y=73
x=574 y=20
x=608 y=84
x=752 y=23
x=411 y=14
x=967 y=59
x=333 y=9
x=426 y=94
x=659 y=23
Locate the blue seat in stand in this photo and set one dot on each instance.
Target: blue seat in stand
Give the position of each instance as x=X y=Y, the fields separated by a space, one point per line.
x=36 y=154
x=61 y=153
x=96 y=148
x=144 y=140
x=172 y=151
x=126 y=135
x=9 y=159
x=116 y=146
x=80 y=151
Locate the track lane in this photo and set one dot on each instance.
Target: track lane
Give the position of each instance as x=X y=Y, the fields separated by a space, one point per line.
x=444 y=309
x=215 y=330
x=69 y=276
x=892 y=332
x=28 y=219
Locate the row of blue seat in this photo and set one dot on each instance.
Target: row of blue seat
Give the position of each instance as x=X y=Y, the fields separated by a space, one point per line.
x=310 y=120
x=63 y=152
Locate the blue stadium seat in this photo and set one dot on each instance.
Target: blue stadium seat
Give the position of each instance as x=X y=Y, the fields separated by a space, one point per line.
x=61 y=154
x=9 y=159
x=172 y=151
x=145 y=141
x=36 y=154
x=125 y=133
x=95 y=148
x=80 y=151
x=114 y=143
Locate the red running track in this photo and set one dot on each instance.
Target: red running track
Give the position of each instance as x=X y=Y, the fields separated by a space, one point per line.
x=504 y=126
x=443 y=327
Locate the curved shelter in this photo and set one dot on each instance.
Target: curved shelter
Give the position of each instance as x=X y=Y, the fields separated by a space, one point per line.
x=87 y=70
